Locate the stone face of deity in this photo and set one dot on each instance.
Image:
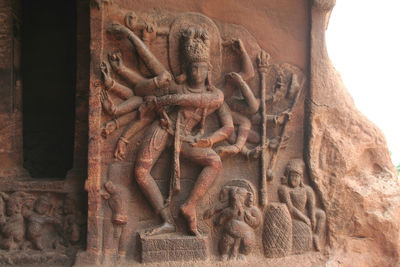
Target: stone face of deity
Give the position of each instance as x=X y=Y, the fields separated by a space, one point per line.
x=197 y=73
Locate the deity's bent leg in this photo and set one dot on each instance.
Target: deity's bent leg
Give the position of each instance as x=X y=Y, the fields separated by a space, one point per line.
x=154 y=143
x=208 y=158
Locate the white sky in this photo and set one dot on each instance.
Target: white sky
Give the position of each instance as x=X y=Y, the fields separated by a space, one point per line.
x=363 y=40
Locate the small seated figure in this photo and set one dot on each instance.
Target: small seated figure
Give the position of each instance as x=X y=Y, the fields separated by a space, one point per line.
x=119 y=219
x=12 y=226
x=238 y=216
x=37 y=221
x=300 y=200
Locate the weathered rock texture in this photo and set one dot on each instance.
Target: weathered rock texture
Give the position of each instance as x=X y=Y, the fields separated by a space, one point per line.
x=349 y=165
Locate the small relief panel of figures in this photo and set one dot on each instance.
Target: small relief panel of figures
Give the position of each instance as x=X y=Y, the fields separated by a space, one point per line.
x=40 y=221
x=207 y=98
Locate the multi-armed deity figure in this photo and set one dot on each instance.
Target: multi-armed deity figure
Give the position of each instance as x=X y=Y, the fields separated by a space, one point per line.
x=184 y=109
x=195 y=99
x=181 y=108
x=300 y=200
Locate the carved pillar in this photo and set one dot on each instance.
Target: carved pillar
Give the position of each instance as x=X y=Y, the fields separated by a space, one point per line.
x=11 y=149
x=93 y=182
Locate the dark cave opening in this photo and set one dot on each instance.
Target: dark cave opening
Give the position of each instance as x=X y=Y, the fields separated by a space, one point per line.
x=49 y=39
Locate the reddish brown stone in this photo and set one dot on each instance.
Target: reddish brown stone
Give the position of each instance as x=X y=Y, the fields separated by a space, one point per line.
x=349 y=164
x=210 y=131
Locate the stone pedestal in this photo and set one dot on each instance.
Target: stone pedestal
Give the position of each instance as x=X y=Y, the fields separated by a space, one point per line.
x=173 y=247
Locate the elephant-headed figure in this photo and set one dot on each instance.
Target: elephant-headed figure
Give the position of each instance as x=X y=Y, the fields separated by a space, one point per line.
x=238 y=216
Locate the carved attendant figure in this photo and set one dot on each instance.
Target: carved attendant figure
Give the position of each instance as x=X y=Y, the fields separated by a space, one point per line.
x=12 y=226
x=238 y=217
x=119 y=219
x=300 y=200
x=38 y=219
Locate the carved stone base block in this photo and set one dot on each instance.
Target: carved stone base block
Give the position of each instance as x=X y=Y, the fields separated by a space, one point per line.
x=173 y=247
x=302 y=237
x=277 y=232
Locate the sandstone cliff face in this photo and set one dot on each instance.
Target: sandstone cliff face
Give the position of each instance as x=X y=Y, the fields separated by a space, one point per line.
x=349 y=165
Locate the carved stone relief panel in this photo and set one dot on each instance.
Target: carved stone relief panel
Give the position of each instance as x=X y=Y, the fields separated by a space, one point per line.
x=195 y=119
x=40 y=228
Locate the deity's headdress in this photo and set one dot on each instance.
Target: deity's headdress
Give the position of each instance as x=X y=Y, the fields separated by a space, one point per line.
x=194 y=37
x=195 y=45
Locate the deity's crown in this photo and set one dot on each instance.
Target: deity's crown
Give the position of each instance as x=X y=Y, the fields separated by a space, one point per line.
x=196 y=45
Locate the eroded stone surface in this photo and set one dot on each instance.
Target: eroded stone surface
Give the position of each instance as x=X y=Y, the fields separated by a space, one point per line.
x=350 y=166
